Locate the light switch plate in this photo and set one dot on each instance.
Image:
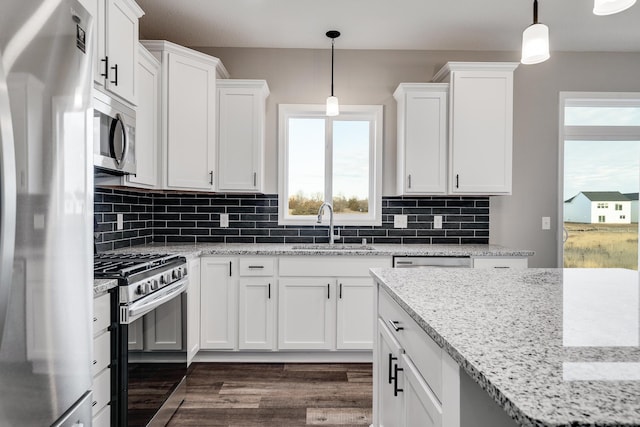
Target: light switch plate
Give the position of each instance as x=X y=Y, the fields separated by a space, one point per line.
x=399 y=221
x=437 y=221
x=119 y=221
x=224 y=220
x=546 y=223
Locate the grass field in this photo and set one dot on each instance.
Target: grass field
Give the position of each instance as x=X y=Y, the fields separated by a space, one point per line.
x=601 y=246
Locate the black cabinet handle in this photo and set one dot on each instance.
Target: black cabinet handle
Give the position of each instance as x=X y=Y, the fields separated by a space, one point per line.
x=457 y=181
x=328 y=291
x=211 y=178
x=340 y=296
x=409 y=180
x=106 y=67
x=115 y=69
x=255 y=179
x=396 y=390
x=269 y=296
x=229 y=268
x=254 y=267
x=391 y=359
x=394 y=325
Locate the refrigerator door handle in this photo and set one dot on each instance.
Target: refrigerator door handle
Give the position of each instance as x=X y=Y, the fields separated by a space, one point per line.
x=7 y=199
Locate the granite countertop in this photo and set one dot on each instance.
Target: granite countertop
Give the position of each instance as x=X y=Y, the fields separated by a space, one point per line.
x=324 y=249
x=102 y=286
x=552 y=347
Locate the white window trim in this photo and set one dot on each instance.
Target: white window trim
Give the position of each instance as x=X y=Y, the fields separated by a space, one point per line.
x=368 y=112
x=585 y=133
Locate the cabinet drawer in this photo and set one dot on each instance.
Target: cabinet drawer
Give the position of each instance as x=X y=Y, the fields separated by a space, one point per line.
x=101 y=352
x=424 y=352
x=323 y=266
x=257 y=266
x=421 y=406
x=492 y=262
x=102 y=418
x=101 y=313
x=101 y=391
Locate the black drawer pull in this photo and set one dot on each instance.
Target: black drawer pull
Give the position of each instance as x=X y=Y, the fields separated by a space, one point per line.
x=255 y=267
x=95 y=362
x=396 y=390
x=394 y=325
x=391 y=359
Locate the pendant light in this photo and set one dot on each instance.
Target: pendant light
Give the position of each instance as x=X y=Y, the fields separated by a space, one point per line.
x=333 y=108
x=535 y=40
x=609 y=7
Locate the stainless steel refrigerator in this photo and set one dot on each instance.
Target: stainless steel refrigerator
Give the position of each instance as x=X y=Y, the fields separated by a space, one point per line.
x=45 y=213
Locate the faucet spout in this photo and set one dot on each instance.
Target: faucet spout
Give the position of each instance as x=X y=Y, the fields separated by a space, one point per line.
x=320 y=212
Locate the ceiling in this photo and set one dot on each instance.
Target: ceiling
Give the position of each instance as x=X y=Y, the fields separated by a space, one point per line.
x=387 y=24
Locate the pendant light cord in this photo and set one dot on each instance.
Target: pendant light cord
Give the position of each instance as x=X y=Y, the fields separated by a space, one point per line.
x=333 y=42
x=535 y=11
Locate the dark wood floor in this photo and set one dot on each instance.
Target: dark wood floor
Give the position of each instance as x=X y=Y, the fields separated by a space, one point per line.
x=245 y=395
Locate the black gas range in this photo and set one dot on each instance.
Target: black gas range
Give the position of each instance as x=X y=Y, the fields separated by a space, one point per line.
x=150 y=286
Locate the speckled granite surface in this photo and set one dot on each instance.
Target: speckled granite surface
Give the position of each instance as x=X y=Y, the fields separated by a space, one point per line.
x=552 y=347
x=102 y=286
x=311 y=249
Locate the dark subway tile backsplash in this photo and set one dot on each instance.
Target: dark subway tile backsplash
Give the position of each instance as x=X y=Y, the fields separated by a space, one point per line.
x=195 y=218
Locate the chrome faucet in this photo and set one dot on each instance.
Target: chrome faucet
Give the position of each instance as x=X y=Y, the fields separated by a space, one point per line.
x=320 y=212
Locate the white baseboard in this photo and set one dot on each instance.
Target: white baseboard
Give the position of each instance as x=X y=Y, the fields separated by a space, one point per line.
x=284 y=357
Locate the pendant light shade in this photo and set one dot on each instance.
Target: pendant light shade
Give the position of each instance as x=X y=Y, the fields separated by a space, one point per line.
x=609 y=7
x=535 y=40
x=333 y=107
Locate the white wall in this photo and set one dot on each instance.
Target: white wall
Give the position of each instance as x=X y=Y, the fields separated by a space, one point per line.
x=371 y=76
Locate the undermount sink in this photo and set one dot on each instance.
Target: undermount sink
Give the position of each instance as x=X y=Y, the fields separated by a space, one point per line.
x=335 y=247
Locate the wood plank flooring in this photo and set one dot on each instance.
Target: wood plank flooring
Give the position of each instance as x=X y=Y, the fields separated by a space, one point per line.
x=276 y=394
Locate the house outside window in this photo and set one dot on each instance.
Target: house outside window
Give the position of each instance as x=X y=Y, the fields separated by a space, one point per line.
x=623 y=216
x=603 y=205
x=337 y=160
x=601 y=218
x=618 y=207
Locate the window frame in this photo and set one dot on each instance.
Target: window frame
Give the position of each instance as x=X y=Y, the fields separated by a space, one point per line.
x=371 y=113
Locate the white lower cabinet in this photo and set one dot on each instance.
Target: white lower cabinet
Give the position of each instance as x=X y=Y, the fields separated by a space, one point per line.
x=355 y=304
x=193 y=309
x=218 y=303
x=416 y=383
x=306 y=313
x=101 y=397
x=256 y=314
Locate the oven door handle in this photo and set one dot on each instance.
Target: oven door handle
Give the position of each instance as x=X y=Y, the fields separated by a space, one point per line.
x=132 y=312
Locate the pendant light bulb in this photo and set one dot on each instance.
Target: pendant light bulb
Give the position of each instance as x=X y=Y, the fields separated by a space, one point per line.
x=609 y=7
x=535 y=41
x=333 y=107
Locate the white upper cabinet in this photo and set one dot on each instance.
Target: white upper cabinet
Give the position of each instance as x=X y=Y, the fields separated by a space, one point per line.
x=147 y=123
x=241 y=129
x=188 y=116
x=480 y=126
x=116 y=46
x=422 y=138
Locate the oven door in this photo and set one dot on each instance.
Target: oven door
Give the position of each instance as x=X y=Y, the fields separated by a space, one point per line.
x=153 y=342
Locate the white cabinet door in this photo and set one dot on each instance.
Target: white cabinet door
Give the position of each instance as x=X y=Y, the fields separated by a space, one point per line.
x=163 y=326
x=355 y=318
x=481 y=132
x=135 y=334
x=147 y=148
x=256 y=314
x=190 y=123
x=389 y=403
x=420 y=405
x=306 y=313
x=193 y=309
x=218 y=303
x=121 y=47
x=422 y=138
x=241 y=121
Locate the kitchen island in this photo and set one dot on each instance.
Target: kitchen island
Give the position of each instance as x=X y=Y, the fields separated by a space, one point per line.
x=549 y=347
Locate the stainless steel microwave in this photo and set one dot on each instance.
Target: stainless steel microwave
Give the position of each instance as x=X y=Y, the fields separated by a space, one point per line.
x=114 y=132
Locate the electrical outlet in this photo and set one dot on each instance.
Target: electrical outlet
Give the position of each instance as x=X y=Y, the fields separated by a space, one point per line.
x=399 y=221
x=224 y=220
x=119 y=221
x=546 y=223
x=437 y=221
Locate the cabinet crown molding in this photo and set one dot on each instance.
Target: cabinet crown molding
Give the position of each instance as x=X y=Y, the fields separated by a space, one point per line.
x=473 y=66
x=167 y=46
x=244 y=83
x=419 y=87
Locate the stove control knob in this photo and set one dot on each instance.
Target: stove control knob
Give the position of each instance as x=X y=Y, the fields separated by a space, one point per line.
x=140 y=290
x=163 y=280
x=154 y=285
x=174 y=275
